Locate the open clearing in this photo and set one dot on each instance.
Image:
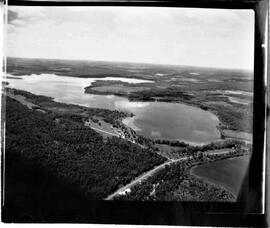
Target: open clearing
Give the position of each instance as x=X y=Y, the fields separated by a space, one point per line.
x=104 y=128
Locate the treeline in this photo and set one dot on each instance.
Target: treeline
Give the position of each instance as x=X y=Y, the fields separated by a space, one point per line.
x=193 y=150
x=75 y=112
x=171 y=143
x=237 y=120
x=230 y=143
x=73 y=152
x=173 y=183
x=237 y=117
x=167 y=94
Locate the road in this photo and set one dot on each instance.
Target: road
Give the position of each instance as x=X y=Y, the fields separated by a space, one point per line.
x=104 y=131
x=151 y=172
x=140 y=178
x=21 y=99
x=144 y=176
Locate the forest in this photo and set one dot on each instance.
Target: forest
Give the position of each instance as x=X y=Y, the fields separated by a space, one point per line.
x=71 y=111
x=75 y=153
x=180 y=149
x=175 y=183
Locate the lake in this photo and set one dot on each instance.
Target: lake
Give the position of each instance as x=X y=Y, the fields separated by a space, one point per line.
x=228 y=173
x=156 y=120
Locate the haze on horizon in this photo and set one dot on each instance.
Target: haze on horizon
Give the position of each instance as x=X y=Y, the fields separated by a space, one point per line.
x=176 y=36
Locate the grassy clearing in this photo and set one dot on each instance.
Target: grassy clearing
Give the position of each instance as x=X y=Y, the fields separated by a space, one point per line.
x=102 y=127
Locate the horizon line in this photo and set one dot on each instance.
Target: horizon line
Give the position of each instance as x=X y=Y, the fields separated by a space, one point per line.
x=134 y=62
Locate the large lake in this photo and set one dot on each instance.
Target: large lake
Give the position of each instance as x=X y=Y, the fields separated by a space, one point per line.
x=157 y=120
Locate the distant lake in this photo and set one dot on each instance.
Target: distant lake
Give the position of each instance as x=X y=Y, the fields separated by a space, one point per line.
x=228 y=173
x=157 y=120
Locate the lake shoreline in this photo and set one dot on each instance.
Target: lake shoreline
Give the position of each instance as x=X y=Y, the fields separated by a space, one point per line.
x=204 y=132
x=71 y=106
x=221 y=127
x=191 y=172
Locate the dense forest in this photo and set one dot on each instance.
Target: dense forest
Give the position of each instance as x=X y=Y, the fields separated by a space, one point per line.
x=233 y=116
x=180 y=149
x=71 y=111
x=237 y=117
x=175 y=183
x=229 y=143
x=169 y=94
x=73 y=152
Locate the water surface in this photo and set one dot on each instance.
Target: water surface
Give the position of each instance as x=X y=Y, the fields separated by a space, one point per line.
x=157 y=120
x=228 y=173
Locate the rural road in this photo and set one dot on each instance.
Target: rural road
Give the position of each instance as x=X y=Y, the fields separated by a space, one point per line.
x=144 y=176
x=104 y=131
x=151 y=172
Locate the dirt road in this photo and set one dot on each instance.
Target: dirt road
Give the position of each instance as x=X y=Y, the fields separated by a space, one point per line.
x=144 y=176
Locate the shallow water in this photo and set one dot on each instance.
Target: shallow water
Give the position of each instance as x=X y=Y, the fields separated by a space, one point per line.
x=157 y=120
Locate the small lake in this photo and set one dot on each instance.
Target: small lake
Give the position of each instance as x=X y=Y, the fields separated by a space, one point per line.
x=156 y=120
x=228 y=173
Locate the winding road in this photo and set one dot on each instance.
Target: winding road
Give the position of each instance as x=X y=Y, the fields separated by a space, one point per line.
x=138 y=179
x=144 y=176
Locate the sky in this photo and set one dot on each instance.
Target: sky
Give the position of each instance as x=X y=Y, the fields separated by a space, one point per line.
x=180 y=36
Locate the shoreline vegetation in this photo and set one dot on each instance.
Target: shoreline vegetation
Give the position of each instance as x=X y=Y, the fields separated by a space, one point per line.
x=75 y=114
x=231 y=120
x=166 y=185
x=94 y=151
x=74 y=152
x=175 y=182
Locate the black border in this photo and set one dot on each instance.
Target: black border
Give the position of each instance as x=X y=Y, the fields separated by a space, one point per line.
x=191 y=213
